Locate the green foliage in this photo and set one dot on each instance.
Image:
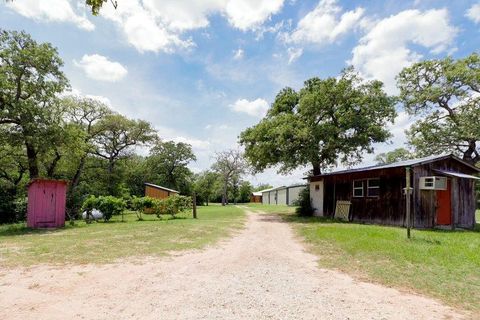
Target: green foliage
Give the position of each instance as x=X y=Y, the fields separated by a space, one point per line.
x=172 y=205
x=207 y=185
x=108 y=205
x=21 y=205
x=399 y=154
x=230 y=165
x=245 y=191
x=328 y=121
x=445 y=94
x=304 y=203
x=167 y=165
x=262 y=186
x=141 y=204
x=30 y=115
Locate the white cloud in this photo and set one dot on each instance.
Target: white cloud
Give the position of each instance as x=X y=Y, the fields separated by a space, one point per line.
x=294 y=54
x=255 y=108
x=98 y=67
x=324 y=24
x=238 y=54
x=50 y=11
x=250 y=14
x=383 y=52
x=158 y=25
x=474 y=13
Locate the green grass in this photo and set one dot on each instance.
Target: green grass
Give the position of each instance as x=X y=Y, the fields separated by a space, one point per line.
x=106 y=242
x=441 y=264
x=270 y=208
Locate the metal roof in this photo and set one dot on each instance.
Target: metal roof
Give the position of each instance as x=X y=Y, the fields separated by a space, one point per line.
x=405 y=163
x=160 y=187
x=284 y=187
x=457 y=174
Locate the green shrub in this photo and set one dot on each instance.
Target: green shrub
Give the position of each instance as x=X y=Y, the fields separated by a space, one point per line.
x=172 y=205
x=21 y=205
x=139 y=205
x=107 y=205
x=304 y=204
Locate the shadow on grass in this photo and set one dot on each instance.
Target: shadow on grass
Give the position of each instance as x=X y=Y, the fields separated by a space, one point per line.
x=22 y=229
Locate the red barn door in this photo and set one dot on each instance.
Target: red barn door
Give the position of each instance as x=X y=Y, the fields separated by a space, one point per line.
x=444 y=206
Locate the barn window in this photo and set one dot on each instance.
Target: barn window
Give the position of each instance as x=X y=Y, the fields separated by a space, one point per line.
x=373 y=187
x=358 y=188
x=317 y=187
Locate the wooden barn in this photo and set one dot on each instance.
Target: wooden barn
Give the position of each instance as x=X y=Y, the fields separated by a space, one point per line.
x=256 y=197
x=158 y=192
x=443 y=193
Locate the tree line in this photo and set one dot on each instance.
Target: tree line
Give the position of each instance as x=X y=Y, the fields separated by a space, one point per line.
x=46 y=132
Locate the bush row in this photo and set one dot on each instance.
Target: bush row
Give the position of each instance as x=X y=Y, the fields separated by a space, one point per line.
x=110 y=206
x=171 y=205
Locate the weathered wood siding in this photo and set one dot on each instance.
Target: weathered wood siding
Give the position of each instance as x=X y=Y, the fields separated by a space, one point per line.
x=156 y=193
x=462 y=195
x=388 y=208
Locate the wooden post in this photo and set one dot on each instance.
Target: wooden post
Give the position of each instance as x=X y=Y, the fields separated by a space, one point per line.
x=408 y=191
x=194 y=206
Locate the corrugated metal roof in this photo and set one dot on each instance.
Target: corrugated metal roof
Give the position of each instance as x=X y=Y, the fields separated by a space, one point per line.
x=405 y=163
x=457 y=174
x=160 y=187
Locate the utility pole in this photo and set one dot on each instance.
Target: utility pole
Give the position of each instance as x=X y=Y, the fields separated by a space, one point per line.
x=194 y=198
x=408 y=192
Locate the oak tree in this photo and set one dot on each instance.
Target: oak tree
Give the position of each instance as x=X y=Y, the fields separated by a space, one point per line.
x=328 y=121
x=445 y=95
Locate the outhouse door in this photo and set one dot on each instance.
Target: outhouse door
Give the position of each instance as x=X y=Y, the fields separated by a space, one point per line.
x=444 y=206
x=47 y=210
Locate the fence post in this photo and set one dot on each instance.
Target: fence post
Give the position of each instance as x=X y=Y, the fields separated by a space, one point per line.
x=408 y=191
x=194 y=206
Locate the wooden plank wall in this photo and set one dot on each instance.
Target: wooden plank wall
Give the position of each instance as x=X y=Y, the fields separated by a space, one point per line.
x=388 y=208
x=156 y=193
x=463 y=195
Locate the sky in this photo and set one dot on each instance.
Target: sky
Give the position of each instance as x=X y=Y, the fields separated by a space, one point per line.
x=203 y=71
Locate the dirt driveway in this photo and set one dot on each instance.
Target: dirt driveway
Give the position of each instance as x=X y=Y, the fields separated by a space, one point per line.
x=261 y=273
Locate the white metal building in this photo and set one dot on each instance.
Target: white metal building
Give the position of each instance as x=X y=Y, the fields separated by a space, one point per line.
x=282 y=195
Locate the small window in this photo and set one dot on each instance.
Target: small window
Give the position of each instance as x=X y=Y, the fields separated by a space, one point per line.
x=317 y=187
x=358 y=188
x=373 y=187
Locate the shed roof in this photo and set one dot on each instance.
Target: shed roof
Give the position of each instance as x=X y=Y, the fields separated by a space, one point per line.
x=405 y=163
x=160 y=187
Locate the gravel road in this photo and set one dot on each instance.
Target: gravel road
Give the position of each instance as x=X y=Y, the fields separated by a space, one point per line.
x=263 y=272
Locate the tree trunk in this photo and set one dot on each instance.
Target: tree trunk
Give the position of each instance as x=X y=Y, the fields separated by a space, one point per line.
x=111 y=164
x=224 y=195
x=32 y=161
x=316 y=169
x=78 y=173
x=53 y=165
x=470 y=155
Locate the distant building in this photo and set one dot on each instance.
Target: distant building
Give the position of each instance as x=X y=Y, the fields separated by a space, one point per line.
x=158 y=192
x=282 y=195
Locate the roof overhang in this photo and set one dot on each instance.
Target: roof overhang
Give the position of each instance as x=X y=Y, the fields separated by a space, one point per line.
x=456 y=174
x=160 y=187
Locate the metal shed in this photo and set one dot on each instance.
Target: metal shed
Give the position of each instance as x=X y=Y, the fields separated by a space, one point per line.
x=282 y=195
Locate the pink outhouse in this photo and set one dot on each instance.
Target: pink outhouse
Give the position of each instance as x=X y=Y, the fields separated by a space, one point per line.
x=46 y=203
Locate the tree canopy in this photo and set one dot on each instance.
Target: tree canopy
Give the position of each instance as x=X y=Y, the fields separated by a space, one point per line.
x=399 y=154
x=329 y=121
x=446 y=95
